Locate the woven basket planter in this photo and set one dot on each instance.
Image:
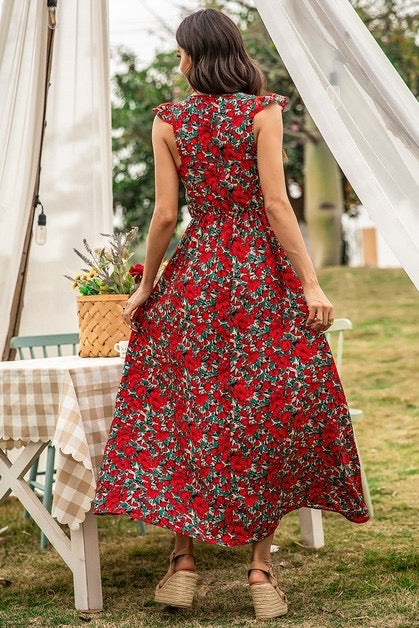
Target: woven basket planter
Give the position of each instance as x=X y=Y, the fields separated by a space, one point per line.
x=101 y=324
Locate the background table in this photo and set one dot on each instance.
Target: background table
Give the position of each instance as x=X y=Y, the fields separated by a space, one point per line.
x=68 y=401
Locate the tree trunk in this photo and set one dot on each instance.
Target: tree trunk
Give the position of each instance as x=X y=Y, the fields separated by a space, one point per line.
x=323 y=199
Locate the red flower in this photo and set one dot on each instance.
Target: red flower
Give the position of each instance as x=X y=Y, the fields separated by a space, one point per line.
x=144 y=460
x=129 y=451
x=249 y=428
x=112 y=501
x=240 y=195
x=285 y=345
x=136 y=271
x=242 y=320
x=239 y=249
x=206 y=255
x=250 y=500
x=241 y=392
x=205 y=137
x=200 y=506
x=231 y=153
x=191 y=291
x=156 y=400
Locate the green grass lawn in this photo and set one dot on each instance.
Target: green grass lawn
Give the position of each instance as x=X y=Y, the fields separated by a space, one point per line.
x=365 y=576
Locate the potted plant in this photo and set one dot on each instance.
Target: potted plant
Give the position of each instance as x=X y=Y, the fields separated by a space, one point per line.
x=105 y=285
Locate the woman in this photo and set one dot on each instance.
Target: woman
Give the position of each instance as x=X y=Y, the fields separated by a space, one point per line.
x=230 y=411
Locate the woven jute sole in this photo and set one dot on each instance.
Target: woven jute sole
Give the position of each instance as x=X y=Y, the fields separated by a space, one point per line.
x=178 y=590
x=267 y=601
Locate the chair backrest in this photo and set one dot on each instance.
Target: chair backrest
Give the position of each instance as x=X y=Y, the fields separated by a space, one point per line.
x=337 y=329
x=43 y=342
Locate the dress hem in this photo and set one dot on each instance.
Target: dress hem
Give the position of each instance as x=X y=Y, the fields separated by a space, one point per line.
x=361 y=519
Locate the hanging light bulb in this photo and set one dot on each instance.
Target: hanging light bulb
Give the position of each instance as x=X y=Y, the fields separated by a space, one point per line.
x=52 y=5
x=41 y=227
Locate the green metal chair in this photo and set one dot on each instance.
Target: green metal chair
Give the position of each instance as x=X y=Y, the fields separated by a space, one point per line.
x=31 y=343
x=336 y=333
x=31 y=347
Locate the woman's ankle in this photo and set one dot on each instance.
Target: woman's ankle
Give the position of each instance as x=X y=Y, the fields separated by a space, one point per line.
x=184 y=543
x=262 y=559
x=261 y=550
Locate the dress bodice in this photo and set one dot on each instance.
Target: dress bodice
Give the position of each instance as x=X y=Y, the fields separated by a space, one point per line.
x=215 y=140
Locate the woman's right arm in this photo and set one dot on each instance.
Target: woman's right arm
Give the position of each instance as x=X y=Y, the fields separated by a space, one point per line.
x=268 y=130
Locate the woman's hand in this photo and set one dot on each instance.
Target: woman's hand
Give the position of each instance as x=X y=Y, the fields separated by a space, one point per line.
x=136 y=299
x=320 y=309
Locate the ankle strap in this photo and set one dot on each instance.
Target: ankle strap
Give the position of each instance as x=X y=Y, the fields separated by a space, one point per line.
x=260 y=564
x=176 y=553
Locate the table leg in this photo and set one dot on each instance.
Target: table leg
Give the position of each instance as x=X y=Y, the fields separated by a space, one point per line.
x=12 y=473
x=12 y=480
x=86 y=570
x=311 y=526
x=81 y=553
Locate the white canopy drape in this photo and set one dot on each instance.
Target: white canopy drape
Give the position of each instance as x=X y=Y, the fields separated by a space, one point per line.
x=22 y=74
x=76 y=176
x=363 y=109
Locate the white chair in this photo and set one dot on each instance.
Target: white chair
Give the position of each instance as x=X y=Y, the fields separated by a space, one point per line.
x=311 y=524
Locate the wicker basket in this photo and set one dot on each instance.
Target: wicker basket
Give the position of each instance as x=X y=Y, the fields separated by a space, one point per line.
x=101 y=324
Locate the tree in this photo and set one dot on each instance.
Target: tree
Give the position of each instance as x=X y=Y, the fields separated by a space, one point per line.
x=136 y=92
x=323 y=199
x=395 y=24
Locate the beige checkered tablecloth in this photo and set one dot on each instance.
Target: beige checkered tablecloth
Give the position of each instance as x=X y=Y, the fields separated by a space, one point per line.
x=69 y=401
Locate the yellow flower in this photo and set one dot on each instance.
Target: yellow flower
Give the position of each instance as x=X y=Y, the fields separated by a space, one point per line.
x=77 y=277
x=74 y=286
x=93 y=273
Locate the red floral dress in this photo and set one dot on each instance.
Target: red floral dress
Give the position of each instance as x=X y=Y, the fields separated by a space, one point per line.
x=230 y=412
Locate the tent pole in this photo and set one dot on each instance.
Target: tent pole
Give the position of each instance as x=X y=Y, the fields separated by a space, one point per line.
x=17 y=303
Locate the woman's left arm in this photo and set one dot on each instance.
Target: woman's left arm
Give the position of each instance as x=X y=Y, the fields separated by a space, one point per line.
x=164 y=218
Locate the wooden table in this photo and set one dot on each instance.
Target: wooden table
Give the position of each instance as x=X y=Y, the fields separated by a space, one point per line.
x=69 y=402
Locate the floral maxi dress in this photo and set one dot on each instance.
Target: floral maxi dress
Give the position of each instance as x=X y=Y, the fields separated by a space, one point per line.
x=230 y=411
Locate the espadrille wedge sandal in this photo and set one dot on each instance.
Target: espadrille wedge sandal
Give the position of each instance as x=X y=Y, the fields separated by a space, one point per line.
x=268 y=599
x=179 y=588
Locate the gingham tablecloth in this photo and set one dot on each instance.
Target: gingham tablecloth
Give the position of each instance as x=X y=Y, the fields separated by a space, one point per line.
x=69 y=401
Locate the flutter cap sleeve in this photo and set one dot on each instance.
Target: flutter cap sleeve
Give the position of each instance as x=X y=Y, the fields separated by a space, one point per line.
x=262 y=101
x=164 y=111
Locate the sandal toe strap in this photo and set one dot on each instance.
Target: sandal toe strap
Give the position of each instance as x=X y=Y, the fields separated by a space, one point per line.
x=281 y=593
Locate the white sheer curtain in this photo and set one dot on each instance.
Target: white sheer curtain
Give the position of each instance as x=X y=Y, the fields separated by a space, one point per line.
x=363 y=109
x=22 y=73
x=76 y=176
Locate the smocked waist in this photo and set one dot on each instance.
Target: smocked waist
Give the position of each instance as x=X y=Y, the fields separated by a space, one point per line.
x=206 y=212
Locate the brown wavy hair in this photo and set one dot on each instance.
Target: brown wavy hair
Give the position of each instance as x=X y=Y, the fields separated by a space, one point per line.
x=220 y=63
